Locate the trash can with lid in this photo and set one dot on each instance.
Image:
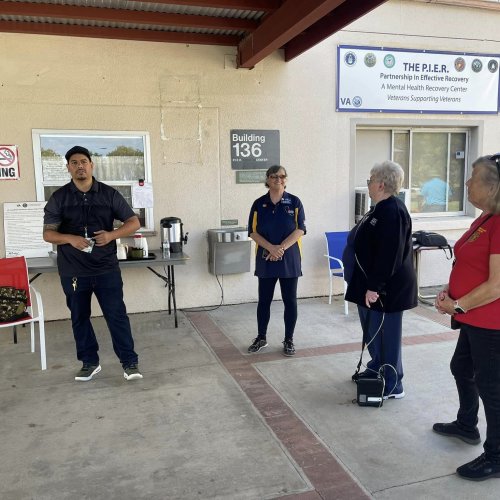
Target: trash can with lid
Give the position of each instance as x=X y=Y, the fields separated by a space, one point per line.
x=228 y=250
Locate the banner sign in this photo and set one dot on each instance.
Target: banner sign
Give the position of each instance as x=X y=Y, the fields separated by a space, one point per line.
x=416 y=81
x=9 y=163
x=254 y=149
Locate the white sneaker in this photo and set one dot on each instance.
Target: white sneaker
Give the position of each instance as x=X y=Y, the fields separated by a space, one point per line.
x=395 y=395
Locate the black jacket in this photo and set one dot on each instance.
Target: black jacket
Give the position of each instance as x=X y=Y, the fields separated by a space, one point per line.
x=384 y=258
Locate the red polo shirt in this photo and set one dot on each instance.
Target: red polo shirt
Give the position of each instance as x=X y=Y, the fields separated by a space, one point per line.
x=472 y=254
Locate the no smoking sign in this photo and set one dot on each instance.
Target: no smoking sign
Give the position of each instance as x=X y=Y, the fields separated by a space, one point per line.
x=9 y=163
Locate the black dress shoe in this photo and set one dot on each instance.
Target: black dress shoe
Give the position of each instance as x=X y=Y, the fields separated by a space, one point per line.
x=479 y=469
x=453 y=429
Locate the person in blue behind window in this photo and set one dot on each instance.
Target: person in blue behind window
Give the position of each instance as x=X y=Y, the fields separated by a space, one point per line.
x=435 y=193
x=277 y=224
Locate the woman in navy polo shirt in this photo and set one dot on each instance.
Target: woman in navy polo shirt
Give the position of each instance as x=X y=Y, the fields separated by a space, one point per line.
x=277 y=224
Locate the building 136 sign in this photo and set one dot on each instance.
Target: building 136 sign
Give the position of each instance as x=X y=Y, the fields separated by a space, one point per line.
x=254 y=149
x=9 y=163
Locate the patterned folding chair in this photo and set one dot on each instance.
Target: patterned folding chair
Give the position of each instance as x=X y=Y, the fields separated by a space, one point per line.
x=14 y=273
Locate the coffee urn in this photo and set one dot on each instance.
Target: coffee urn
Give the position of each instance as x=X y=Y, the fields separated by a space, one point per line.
x=172 y=234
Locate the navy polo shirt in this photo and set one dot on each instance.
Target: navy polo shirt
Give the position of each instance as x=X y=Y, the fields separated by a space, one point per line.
x=275 y=223
x=96 y=209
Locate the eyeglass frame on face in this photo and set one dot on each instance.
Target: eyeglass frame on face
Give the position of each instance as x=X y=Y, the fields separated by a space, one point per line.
x=496 y=159
x=281 y=177
x=369 y=181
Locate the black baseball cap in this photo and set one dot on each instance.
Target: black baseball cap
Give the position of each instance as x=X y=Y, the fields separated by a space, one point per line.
x=77 y=150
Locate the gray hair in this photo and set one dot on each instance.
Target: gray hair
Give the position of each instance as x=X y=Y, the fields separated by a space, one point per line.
x=490 y=176
x=391 y=174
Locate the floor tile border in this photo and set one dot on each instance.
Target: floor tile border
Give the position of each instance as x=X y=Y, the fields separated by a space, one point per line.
x=326 y=474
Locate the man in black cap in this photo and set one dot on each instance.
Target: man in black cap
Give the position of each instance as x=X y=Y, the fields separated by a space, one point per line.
x=79 y=220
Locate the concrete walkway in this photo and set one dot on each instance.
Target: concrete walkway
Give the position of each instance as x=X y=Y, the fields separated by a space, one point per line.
x=210 y=421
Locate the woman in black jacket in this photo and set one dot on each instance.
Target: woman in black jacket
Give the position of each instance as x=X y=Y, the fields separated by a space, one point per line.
x=383 y=282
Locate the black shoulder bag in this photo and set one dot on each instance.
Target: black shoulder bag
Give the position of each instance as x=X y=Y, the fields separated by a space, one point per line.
x=431 y=239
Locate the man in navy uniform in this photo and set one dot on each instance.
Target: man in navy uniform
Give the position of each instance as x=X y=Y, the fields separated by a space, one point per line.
x=79 y=220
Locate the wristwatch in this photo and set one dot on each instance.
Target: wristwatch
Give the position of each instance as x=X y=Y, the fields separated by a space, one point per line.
x=458 y=308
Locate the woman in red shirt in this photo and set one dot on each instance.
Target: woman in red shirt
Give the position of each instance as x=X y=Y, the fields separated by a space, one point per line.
x=472 y=298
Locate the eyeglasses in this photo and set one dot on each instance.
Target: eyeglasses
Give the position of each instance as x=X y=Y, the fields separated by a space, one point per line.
x=276 y=176
x=496 y=159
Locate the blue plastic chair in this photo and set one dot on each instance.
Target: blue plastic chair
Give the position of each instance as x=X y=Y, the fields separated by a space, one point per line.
x=335 y=244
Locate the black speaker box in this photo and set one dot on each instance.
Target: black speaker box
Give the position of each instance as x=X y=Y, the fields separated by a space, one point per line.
x=370 y=392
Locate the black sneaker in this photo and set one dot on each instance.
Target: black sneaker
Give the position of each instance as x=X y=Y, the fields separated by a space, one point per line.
x=257 y=345
x=288 y=348
x=87 y=371
x=479 y=469
x=454 y=430
x=131 y=372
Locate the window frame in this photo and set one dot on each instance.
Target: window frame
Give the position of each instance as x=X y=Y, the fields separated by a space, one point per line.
x=434 y=130
x=80 y=137
x=429 y=128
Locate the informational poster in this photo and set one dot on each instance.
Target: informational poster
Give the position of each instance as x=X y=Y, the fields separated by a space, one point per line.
x=416 y=81
x=23 y=229
x=254 y=149
x=9 y=163
x=142 y=195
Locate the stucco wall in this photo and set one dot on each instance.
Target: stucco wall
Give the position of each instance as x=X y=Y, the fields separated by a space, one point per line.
x=188 y=98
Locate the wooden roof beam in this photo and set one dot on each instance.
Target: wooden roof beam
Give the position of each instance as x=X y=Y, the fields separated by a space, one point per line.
x=291 y=19
x=118 y=33
x=54 y=11
x=343 y=15
x=253 y=5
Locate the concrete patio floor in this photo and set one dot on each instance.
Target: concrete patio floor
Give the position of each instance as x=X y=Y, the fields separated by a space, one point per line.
x=210 y=421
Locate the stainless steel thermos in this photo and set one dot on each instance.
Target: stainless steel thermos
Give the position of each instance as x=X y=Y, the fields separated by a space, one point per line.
x=172 y=236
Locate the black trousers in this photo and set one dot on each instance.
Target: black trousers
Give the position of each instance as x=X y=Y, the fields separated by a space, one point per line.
x=476 y=368
x=288 y=294
x=108 y=288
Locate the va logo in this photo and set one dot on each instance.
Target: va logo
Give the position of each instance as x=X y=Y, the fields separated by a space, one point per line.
x=356 y=101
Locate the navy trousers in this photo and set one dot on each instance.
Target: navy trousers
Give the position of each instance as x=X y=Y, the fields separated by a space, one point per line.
x=288 y=294
x=108 y=289
x=385 y=348
x=476 y=368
